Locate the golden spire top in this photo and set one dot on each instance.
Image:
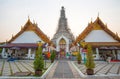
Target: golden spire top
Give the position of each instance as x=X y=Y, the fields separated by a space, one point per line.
x=106 y=25
x=21 y=27
x=116 y=34
x=98 y=15
x=91 y=21
x=28 y=18
x=12 y=35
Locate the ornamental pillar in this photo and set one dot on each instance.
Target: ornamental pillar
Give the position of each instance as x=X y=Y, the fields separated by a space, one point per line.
x=3 y=53
x=113 y=53
x=118 y=54
x=67 y=47
x=29 y=53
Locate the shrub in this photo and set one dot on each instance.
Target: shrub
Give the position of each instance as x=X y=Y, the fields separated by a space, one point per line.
x=89 y=58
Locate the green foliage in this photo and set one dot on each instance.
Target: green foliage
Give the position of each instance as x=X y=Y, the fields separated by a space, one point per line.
x=0 y=50
x=79 y=58
x=53 y=55
x=39 y=61
x=90 y=59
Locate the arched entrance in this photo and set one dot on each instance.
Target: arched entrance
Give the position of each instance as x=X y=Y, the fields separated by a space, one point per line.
x=62 y=44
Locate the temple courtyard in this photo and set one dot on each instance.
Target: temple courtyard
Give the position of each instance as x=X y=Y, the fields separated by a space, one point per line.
x=61 y=69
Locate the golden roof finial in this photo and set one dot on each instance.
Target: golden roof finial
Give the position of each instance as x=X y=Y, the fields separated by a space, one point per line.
x=116 y=34
x=98 y=15
x=33 y=21
x=21 y=27
x=6 y=41
x=91 y=20
x=28 y=17
x=12 y=35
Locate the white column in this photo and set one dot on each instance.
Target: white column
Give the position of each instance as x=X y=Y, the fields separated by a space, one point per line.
x=29 y=52
x=67 y=47
x=58 y=48
x=3 y=53
x=113 y=52
x=118 y=54
x=97 y=53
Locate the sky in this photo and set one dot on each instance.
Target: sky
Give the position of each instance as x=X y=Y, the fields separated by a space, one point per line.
x=46 y=13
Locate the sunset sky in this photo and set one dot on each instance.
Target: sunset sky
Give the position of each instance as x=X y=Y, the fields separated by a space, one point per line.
x=14 y=14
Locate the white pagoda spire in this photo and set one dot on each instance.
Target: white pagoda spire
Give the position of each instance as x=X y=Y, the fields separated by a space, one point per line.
x=63 y=28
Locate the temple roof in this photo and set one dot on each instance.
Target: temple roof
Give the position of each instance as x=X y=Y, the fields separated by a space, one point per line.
x=96 y=25
x=29 y=26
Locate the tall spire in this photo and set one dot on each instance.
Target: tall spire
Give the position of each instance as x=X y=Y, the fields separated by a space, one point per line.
x=63 y=28
x=62 y=12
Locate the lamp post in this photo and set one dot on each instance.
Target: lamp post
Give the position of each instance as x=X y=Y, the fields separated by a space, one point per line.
x=83 y=43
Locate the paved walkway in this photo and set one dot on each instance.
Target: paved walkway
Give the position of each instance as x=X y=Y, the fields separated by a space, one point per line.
x=102 y=68
x=10 y=68
x=63 y=69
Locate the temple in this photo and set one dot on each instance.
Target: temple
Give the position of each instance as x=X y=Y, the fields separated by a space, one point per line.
x=63 y=37
x=24 y=43
x=103 y=41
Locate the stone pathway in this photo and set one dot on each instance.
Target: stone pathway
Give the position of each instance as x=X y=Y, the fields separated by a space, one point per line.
x=101 y=68
x=9 y=68
x=63 y=70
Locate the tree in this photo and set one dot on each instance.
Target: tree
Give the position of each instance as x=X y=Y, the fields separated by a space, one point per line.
x=79 y=58
x=89 y=60
x=53 y=55
x=38 y=62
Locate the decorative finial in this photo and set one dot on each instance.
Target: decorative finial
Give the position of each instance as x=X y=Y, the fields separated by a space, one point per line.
x=98 y=14
x=21 y=27
x=106 y=24
x=6 y=42
x=28 y=17
x=62 y=7
x=62 y=12
x=12 y=35
x=116 y=34
x=91 y=20
x=33 y=21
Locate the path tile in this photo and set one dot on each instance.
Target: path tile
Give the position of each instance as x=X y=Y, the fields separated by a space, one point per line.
x=6 y=69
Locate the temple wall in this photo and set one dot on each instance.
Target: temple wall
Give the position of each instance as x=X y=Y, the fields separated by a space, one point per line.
x=27 y=37
x=99 y=36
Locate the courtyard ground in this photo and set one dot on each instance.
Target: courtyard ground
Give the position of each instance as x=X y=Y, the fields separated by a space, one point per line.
x=61 y=69
x=102 y=68
x=11 y=67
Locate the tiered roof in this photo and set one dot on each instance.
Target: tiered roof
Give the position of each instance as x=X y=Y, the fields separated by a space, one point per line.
x=29 y=26
x=98 y=25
